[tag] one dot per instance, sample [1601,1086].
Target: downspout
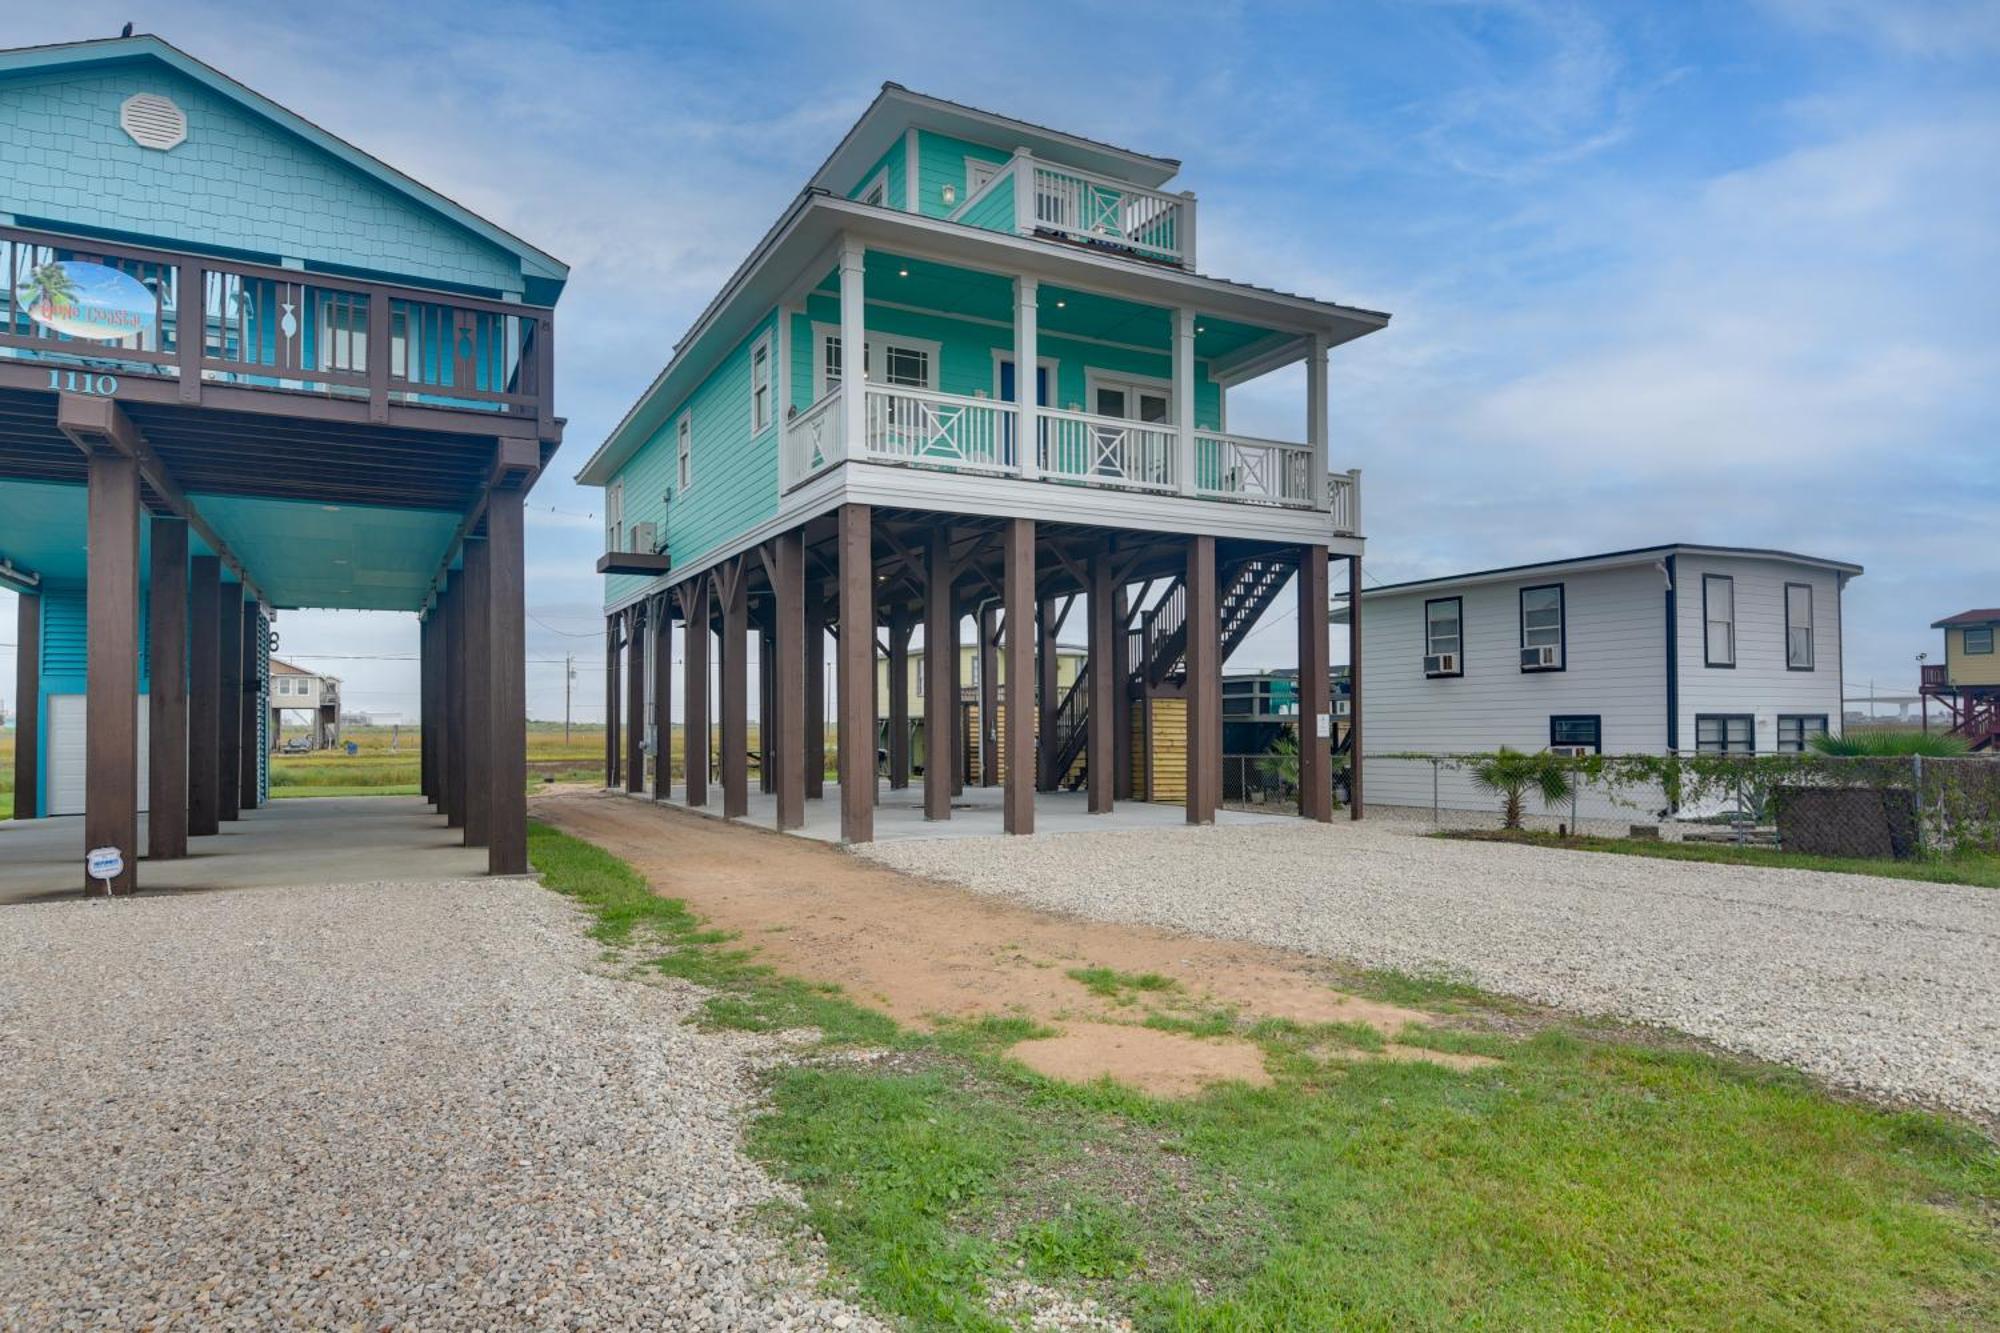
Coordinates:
[1666,567]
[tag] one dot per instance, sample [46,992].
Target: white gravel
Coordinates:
[1888,986]
[379,1106]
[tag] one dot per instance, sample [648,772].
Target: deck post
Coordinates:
[694,683]
[856,711]
[957,707]
[815,707]
[940,671]
[250,706]
[1204,684]
[27,705]
[787,725]
[204,696]
[1183,390]
[901,626]
[229,701]
[663,697]
[457,767]
[767,701]
[1018,588]
[735,689]
[167,701]
[989,695]
[1354,810]
[1027,360]
[426,707]
[1315,707]
[111,699]
[853,344]
[1099,747]
[477,595]
[635,698]
[507,688]
[1048,695]
[611,739]
[1121,695]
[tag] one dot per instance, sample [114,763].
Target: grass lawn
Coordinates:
[1977,868]
[1593,1177]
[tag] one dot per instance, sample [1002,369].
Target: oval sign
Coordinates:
[85,300]
[104,863]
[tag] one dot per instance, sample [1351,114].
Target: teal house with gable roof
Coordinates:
[247,367]
[973,380]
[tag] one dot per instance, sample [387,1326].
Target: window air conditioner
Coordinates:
[1546,656]
[1570,751]
[645,537]
[1441,664]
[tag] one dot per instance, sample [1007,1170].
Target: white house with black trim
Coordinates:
[1673,647]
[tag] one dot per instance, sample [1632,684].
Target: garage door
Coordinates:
[66,752]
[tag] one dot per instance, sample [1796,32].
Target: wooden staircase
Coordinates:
[1159,645]
[1978,721]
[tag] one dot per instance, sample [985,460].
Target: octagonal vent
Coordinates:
[153,121]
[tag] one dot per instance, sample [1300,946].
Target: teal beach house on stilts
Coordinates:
[972,381]
[246,367]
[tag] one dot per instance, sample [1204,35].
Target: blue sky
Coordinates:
[1710,272]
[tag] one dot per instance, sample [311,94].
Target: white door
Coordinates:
[66,753]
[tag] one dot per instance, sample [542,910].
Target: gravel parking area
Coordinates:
[377,1106]
[1889,986]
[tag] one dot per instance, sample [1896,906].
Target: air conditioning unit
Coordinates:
[1546,656]
[1570,751]
[645,538]
[1441,664]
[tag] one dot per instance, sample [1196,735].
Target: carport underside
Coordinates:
[151,538]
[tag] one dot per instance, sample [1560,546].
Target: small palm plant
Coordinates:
[1511,774]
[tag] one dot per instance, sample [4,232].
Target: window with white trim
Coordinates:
[907,366]
[1725,733]
[684,452]
[614,515]
[760,385]
[978,173]
[1718,617]
[1798,627]
[1130,399]
[1796,730]
[910,363]
[877,192]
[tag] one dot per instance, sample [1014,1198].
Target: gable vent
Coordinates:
[153,121]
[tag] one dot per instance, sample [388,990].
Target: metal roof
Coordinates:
[1988,615]
[1633,555]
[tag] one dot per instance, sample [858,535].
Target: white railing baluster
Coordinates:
[1087,207]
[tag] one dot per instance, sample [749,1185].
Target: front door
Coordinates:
[1009,421]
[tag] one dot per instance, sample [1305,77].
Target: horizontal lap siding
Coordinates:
[1759,683]
[996,211]
[941,162]
[894,162]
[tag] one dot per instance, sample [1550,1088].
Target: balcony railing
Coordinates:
[918,428]
[279,329]
[1086,209]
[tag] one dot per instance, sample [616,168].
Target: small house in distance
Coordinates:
[1715,649]
[1967,682]
[296,691]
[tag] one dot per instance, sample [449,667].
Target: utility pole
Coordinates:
[569,676]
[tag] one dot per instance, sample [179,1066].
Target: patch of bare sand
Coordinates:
[924,951]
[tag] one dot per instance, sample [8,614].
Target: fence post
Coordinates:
[1434,793]
[1736,823]
[1917,792]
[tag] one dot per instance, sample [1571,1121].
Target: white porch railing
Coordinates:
[1343,501]
[1237,467]
[1096,209]
[814,441]
[1108,451]
[939,430]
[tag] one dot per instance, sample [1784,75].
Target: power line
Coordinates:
[566,633]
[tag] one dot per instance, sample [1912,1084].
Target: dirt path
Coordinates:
[924,951]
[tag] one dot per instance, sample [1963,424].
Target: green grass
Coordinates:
[1109,984]
[1981,869]
[1589,1180]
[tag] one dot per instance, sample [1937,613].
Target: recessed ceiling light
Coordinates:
[331,509]
[902,273]
[1061,304]
[1201,328]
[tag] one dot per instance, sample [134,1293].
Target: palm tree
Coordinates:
[1509,774]
[46,282]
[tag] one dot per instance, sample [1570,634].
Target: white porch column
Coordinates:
[1024,192]
[1027,432]
[853,349]
[1184,394]
[1317,434]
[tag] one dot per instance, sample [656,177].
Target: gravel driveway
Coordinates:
[1890,986]
[411,1105]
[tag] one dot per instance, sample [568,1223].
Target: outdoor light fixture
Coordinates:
[951,194]
[902,273]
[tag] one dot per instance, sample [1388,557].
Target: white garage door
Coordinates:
[66,752]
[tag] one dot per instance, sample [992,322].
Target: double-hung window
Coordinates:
[1796,730]
[1444,637]
[684,452]
[1798,627]
[1718,617]
[1725,733]
[1977,642]
[614,516]
[907,366]
[760,385]
[910,363]
[1577,732]
[1542,628]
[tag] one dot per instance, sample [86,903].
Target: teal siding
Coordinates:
[735,485]
[239,182]
[996,211]
[896,163]
[941,162]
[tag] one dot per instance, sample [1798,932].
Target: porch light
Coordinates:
[1061,304]
[951,194]
[902,273]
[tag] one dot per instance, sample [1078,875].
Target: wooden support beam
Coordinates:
[635,698]
[27,705]
[1121,673]
[612,750]
[428,725]
[856,711]
[815,683]
[940,676]
[1315,708]
[1018,740]
[900,628]
[1105,688]
[476,594]
[989,695]
[662,621]
[959,748]
[250,704]
[1204,684]
[204,696]
[456,763]
[507,690]
[787,725]
[111,704]
[694,681]
[767,707]
[1354,809]
[167,699]
[732,594]
[229,701]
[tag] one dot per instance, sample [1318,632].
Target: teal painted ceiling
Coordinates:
[42,526]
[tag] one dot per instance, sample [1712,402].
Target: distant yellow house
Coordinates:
[1069,661]
[1967,682]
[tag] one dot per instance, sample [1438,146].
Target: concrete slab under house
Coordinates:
[244,368]
[1031,440]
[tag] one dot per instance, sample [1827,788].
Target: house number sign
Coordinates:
[82,381]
